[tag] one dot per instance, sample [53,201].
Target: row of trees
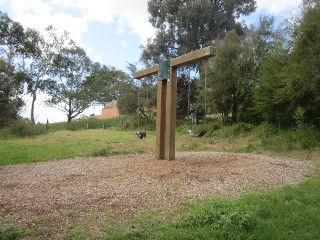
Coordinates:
[49,62]
[260,73]
[185,26]
[270,75]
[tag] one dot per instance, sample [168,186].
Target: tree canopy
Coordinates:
[188,25]
[70,68]
[52,63]
[11,78]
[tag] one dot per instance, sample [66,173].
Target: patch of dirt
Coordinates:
[52,195]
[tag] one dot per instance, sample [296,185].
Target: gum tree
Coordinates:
[11,78]
[71,66]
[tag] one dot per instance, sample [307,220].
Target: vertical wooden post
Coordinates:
[166,100]
[171,115]
[161,119]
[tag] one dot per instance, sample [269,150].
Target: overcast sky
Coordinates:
[111,31]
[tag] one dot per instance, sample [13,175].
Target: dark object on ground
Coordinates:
[202,133]
[141,135]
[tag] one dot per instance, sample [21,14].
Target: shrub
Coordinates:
[303,137]
[23,128]
[307,137]
[235,130]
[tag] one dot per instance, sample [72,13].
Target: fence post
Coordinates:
[47,125]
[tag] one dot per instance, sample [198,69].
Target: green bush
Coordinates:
[234,130]
[240,128]
[22,128]
[307,137]
[300,138]
[265,130]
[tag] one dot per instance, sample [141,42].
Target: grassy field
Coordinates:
[291,212]
[66,144]
[60,144]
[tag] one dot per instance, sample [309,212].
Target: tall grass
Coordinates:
[265,138]
[22,128]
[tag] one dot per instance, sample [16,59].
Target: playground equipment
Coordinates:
[166,98]
[141,134]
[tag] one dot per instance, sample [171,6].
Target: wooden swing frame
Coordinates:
[166,100]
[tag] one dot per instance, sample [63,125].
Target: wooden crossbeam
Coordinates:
[146,72]
[167,98]
[188,58]
[193,57]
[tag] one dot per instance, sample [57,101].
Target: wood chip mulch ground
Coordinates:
[52,195]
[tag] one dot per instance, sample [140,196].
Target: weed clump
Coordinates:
[23,128]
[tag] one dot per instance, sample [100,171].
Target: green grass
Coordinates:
[242,137]
[11,231]
[68,144]
[76,125]
[75,233]
[291,212]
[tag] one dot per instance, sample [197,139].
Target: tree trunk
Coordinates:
[34,98]
[234,110]
[69,112]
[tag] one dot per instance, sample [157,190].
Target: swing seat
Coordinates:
[202,133]
[141,135]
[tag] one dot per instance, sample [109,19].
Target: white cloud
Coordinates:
[74,16]
[121,27]
[131,13]
[42,16]
[277,6]
[32,6]
[124,43]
